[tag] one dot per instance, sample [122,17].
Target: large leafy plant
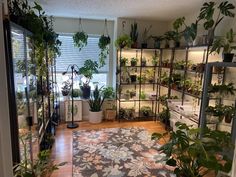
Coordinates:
[224,42]
[195,156]
[208,10]
[90,67]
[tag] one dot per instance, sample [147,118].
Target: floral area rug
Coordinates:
[117,152]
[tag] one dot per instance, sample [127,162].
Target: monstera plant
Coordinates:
[193,155]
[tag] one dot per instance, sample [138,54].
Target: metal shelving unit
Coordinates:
[138,86]
[206,98]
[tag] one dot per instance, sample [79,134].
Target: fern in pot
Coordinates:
[95,103]
[103,44]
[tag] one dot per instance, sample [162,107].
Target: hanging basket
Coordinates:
[80,38]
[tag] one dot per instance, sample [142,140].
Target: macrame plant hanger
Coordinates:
[105,30]
[80,25]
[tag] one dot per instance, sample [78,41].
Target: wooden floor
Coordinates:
[62,149]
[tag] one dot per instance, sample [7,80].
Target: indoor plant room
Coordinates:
[118,88]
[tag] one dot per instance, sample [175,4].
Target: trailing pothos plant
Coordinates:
[80,39]
[34,19]
[103,44]
[193,156]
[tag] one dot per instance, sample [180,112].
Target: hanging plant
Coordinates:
[103,44]
[80,38]
[34,19]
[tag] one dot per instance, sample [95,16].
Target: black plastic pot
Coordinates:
[133,63]
[144,45]
[133,78]
[86,90]
[177,44]
[228,57]
[145,113]
[143,63]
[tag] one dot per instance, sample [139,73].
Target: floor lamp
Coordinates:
[72,125]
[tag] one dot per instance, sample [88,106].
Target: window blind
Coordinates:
[71,54]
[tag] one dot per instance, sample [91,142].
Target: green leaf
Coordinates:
[171,162]
[226,8]
[156,136]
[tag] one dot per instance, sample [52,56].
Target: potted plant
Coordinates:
[96,101]
[132,94]
[80,39]
[229,112]
[145,37]
[142,78]
[150,75]
[104,42]
[222,89]
[90,67]
[110,113]
[65,90]
[195,156]
[177,24]
[211,19]
[154,60]
[225,43]
[133,78]
[164,116]
[215,114]
[134,35]
[123,41]
[143,61]
[76,93]
[123,61]
[142,95]
[145,111]
[157,41]
[134,61]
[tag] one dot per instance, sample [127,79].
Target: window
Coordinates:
[71,55]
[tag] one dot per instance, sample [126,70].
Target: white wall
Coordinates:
[5,137]
[158,28]
[90,26]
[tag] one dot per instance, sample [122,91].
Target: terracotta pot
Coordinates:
[228,119]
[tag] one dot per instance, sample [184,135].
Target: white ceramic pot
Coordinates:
[95,117]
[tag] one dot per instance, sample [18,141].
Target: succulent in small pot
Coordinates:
[225,43]
[145,111]
[134,61]
[142,95]
[80,39]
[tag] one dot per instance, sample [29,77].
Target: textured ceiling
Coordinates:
[139,9]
